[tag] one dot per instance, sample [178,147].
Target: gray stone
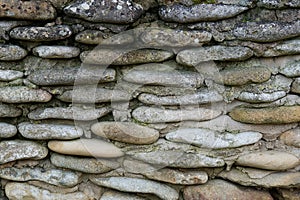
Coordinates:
[10,75]
[289,194]
[16,191]
[49,131]
[261,97]
[9,111]
[267,32]
[22,94]
[193,57]
[271,4]
[138,186]
[296,86]
[120,12]
[291,137]
[11,150]
[289,47]
[52,176]
[200,12]
[73,113]
[56,51]
[36,33]
[159,115]
[291,69]
[86,165]
[211,139]
[166,90]
[11,52]
[7,130]
[6,26]
[114,195]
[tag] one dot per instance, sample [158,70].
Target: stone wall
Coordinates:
[154,99]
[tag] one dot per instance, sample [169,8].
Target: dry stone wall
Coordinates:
[153,99]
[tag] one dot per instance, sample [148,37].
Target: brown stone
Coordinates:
[291,137]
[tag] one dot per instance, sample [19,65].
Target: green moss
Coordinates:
[204,1]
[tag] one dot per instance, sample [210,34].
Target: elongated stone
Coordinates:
[27,10]
[289,47]
[270,160]
[114,195]
[10,75]
[52,176]
[7,130]
[278,4]
[270,115]
[261,97]
[15,191]
[11,52]
[73,113]
[7,25]
[86,165]
[36,33]
[291,69]
[139,186]
[159,115]
[49,131]
[291,137]
[127,132]
[56,51]
[200,12]
[211,139]
[11,150]
[166,90]
[86,147]
[193,57]
[22,94]
[9,111]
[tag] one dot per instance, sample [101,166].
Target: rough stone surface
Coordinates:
[159,115]
[291,69]
[139,186]
[261,97]
[193,57]
[292,194]
[200,12]
[210,139]
[291,137]
[56,51]
[288,47]
[36,33]
[114,195]
[11,52]
[123,11]
[6,26]
[9,111]
[86,165]
[271,4]
[10,75]
[127,132]
[86,147]
[7,130]
[49,131]
[296,86]
[11,150]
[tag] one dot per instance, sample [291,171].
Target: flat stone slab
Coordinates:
[137,185]
[193,57]
[114,195]
[127,132]
[7,130]
[10,75]
[159,115]
[116,12]
[56,51]
[27,10]
[22,94]
[49,131]
[291,69]
[271,115]
[36,33]
[86,165]
[86,147]
[166,90]
[289,47]
[211,139]
[11,150]
[270,160]
[9,111]
[291,137]
[199,12]
[10,52]
[261,97]
[56,177]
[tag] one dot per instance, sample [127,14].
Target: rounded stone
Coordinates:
[7,130]
[56,51]
[291,137]
[10,75]
[11,52]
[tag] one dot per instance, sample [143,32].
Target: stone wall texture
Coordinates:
[149,99]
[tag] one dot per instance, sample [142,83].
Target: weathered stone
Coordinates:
[15,191]
[56,51]
[289,194]
[36,33]
[86,165]
[10,75]
[220,189]
[267,32]
[127,132]
[200,12]
[6,26]
[114,195]
[53,176]
[296,86]
[261,97]
[53,188]
[291,137]
[21,94]
[73,113]
[49,131]
[27,10]
[271,115]
[11,52]
[9,111]
[11,150]
[271,4]
[291,69]
[86,147]
[138,186]
[289,47]
[166,90]
[120,12]
[211,139]
[124,57]
[7,130]
[270,160]
[193,57]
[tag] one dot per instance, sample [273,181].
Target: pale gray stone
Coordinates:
[10,75]
[261,97]
[291,69]
[49,131]
[296,86]
[11,150]
[114,195]
[7,130]
[165,90]
[56,51]
[9,111]
[138,186]
[289,47]
[10,52]
[275,4]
